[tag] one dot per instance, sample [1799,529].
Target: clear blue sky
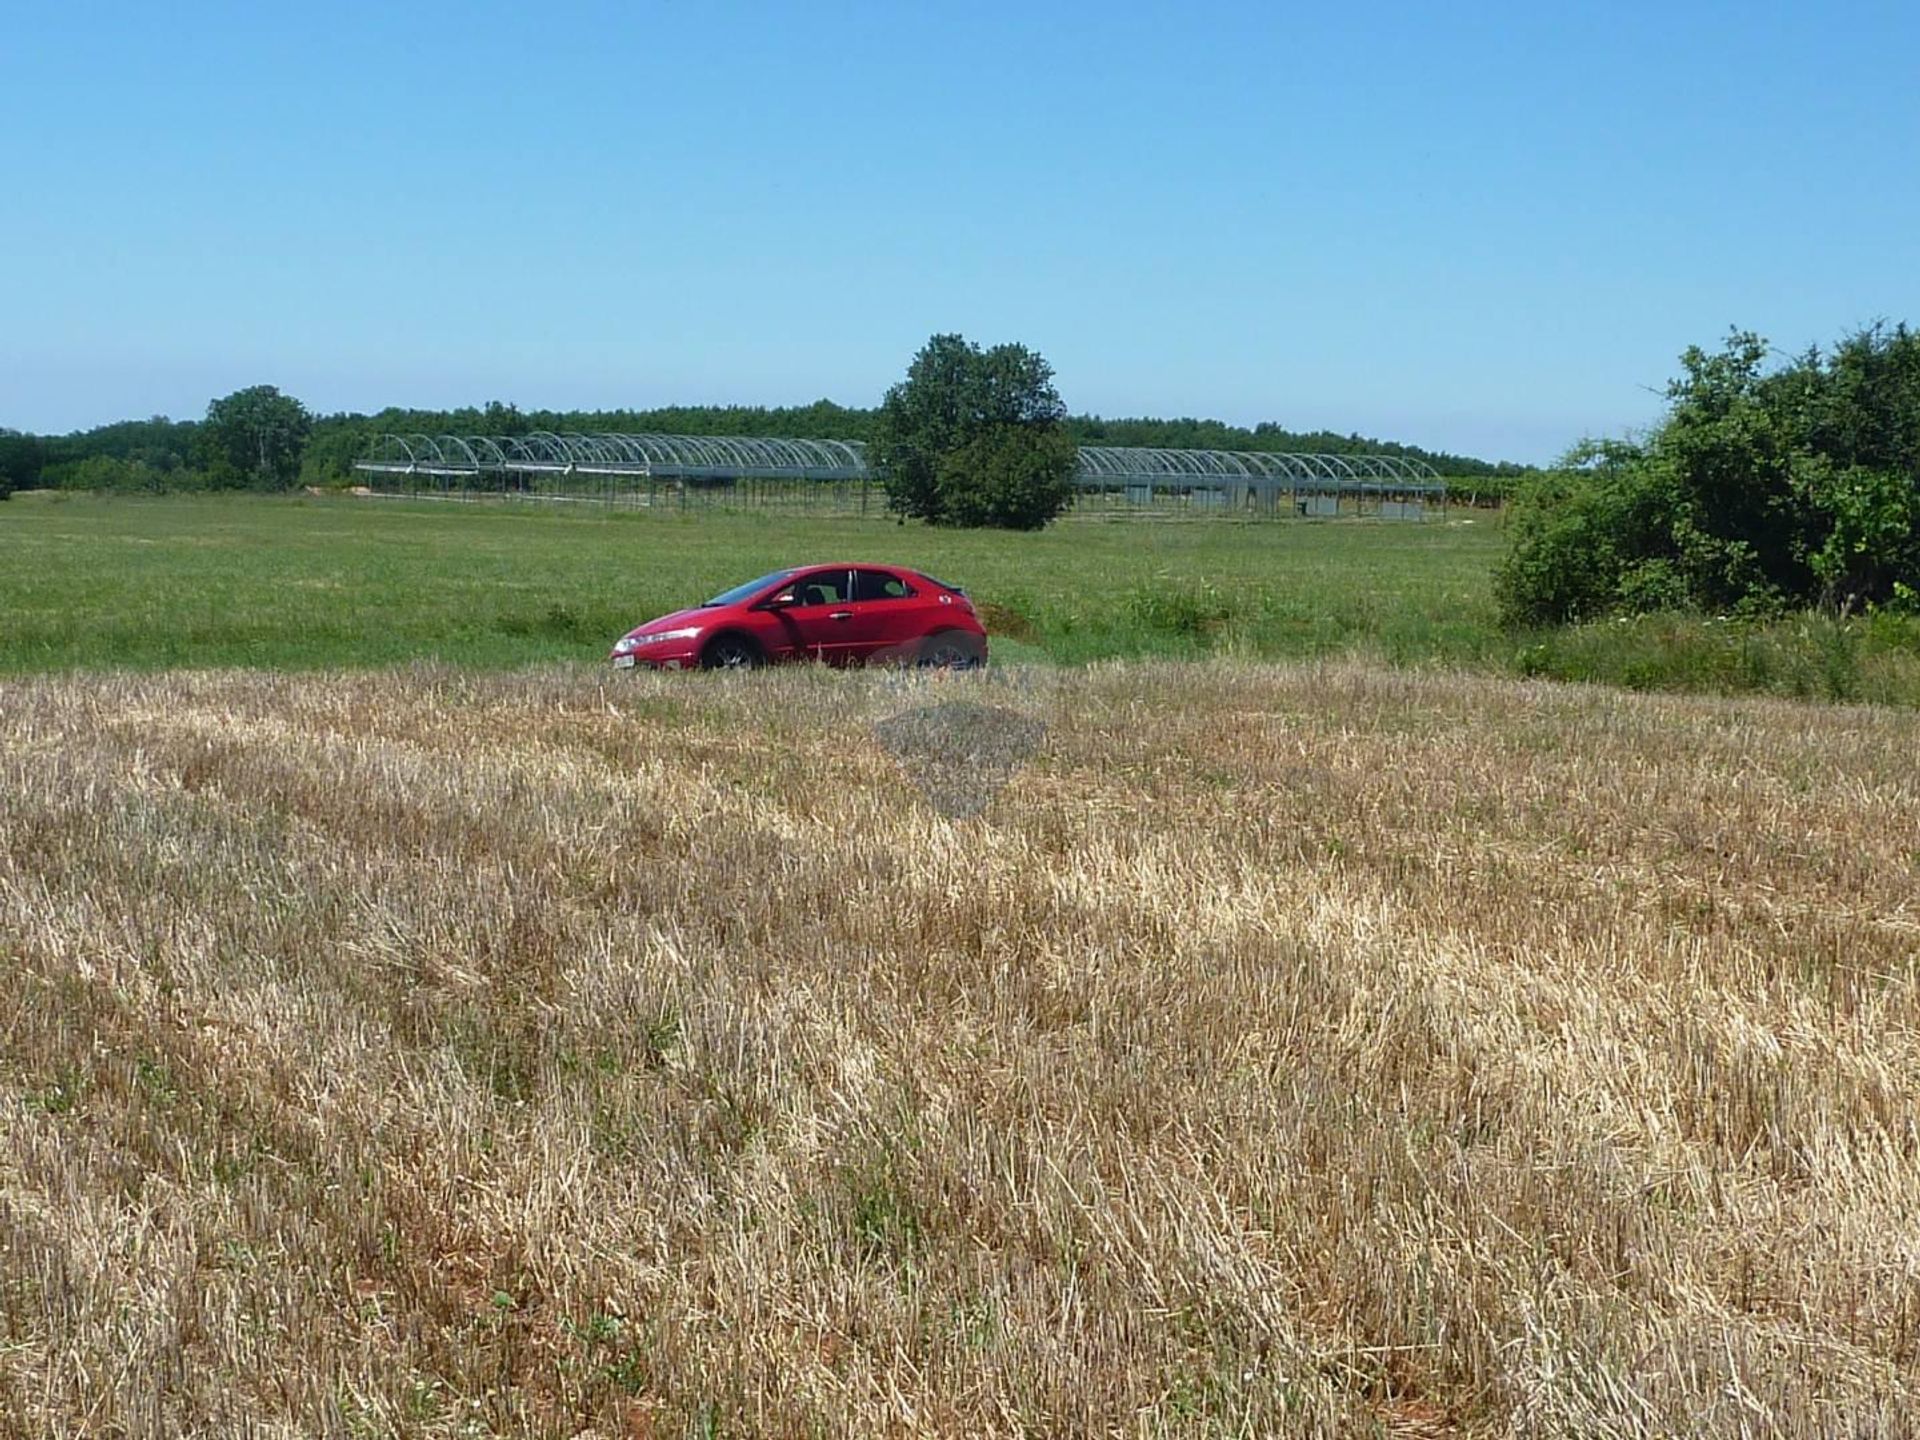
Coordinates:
[1488,228]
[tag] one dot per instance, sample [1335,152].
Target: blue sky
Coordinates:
[1486,228]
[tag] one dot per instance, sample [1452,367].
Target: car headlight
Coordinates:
[631,643]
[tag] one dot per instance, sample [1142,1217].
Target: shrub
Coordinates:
[110,473]
[1759,489]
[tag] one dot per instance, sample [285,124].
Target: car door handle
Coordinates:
[840,615]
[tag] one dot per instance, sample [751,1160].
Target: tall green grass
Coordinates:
[1868,659]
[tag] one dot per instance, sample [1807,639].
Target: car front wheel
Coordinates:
[731,652]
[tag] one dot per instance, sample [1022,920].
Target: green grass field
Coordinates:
[314,583]
[311,583]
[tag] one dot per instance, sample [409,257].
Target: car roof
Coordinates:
[864,565]
[857,565]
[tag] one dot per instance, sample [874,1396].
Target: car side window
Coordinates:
[823,587]
[879,585]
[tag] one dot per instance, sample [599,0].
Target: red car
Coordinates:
[843,614]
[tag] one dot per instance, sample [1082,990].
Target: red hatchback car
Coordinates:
[843,614]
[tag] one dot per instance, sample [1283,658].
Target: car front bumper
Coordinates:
[642,661]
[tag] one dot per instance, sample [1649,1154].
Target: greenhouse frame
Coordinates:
[654,469]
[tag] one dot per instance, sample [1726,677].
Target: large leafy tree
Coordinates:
[975,437]
[255,437]
[1762,488]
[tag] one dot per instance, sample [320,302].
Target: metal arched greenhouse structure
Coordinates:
[683,470]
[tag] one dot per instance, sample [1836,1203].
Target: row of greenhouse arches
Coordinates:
[642,468]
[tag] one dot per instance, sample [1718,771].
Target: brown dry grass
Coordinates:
[1284,1051]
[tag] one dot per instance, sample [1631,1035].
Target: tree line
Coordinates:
[160,455]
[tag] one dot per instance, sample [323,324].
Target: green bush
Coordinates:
[1759,491]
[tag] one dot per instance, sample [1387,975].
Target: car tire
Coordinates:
[951,650]
[731,652]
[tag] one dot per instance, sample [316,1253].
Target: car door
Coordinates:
[888,615]
[814,614]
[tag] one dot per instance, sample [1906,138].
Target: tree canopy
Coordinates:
[975,437]
[255,437]
[1762,487]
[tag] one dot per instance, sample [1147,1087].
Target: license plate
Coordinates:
[623,662]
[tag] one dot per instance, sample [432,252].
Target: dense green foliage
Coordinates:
[255,438]
[1762,489]
[1008,477]
[148,455]
[20,461]
[975,437]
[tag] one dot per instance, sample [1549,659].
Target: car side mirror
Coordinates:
[780,601]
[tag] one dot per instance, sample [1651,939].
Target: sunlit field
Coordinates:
[313,583]
[1320,1050]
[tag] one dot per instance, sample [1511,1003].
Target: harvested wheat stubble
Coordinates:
[1281,1050]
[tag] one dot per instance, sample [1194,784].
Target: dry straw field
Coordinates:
[1313,1050]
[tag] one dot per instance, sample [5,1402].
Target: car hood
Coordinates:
[678,620]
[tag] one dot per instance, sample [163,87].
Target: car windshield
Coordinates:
[742,592]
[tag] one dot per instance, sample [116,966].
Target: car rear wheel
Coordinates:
[731,652]
[951,650]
